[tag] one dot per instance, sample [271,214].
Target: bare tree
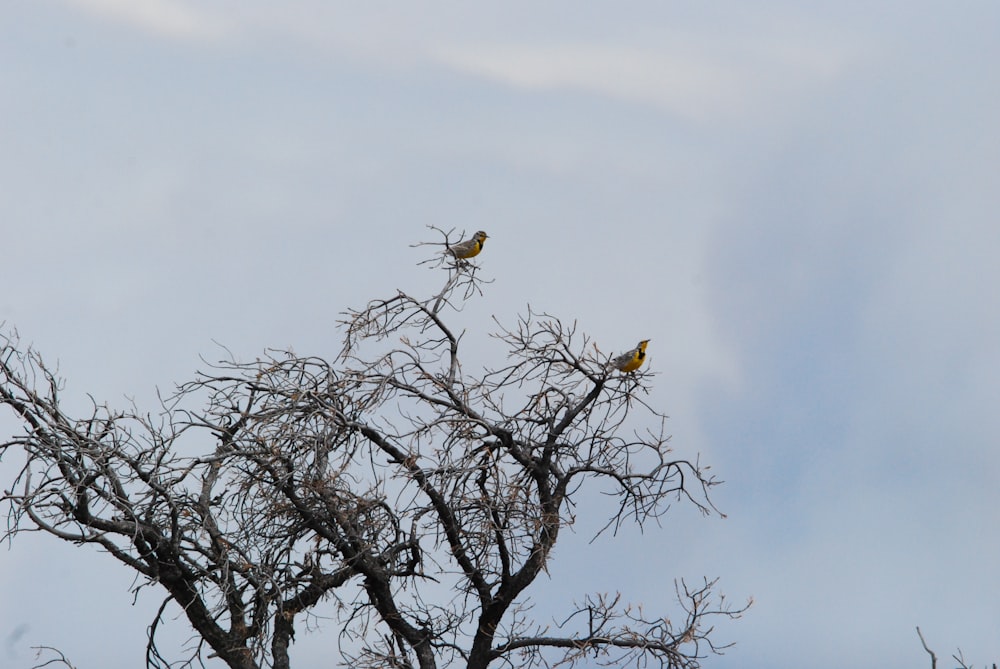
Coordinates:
[423,500]
[958,657]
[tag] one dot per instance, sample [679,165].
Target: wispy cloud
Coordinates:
[164,18]
[693,82]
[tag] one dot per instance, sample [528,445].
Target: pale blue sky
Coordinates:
[796,203]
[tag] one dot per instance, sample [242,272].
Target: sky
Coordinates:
[796,202]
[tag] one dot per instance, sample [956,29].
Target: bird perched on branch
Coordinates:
[632,360]
[470,247]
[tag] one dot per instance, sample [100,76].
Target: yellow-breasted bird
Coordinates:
[470,247]
[632,360]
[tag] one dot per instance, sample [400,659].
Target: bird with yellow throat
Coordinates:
[631,360]
[469,248]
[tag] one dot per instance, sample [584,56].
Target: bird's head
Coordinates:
[481,236]
[643,344]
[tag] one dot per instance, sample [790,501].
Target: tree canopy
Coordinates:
[424,498]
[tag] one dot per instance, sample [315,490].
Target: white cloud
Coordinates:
[164,18]
[689,88]
[694,81]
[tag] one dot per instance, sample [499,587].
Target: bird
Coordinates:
[632,360]
[470,247]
